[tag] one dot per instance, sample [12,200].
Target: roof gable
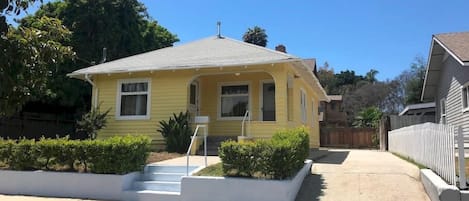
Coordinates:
[455,45]
[208,52]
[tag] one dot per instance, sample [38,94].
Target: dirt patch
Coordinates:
[161,156]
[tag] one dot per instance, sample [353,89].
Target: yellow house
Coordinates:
[236,84]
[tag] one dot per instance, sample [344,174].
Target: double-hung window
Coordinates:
[465,97]
[133,99]
[303,105]
[234,100]
[443,111]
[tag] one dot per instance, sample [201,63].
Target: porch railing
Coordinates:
[247,116]
[194,136]
[432,145]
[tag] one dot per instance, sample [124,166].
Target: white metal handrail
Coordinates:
[246,114]
[192,142]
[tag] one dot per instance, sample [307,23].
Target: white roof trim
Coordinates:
[209,52]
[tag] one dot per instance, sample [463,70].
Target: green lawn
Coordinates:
[215,170]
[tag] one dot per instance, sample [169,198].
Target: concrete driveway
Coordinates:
[361,175]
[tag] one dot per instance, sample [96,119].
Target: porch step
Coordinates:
[158,182]
[166,176]
[148,195]
[168,169]
[213,142]
[168,186]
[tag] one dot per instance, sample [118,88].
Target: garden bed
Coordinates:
[205,188]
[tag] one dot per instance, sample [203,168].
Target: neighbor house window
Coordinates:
[303,105]
[133,99]
[465,97]
[234,100]
[443,111]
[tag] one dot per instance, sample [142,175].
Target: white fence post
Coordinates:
[461,159]
[429,144]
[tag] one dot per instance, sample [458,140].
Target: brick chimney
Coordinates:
[281,48]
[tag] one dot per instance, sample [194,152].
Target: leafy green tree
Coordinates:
[29,55]
[371,76]
[414,86]
[256,36]
[368,118]
[8,7]
[123,27]
[327,79]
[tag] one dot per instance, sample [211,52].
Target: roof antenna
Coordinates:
[104,55]
[219,29]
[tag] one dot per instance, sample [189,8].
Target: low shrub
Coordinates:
[116,155]
[278,158]
[176,132]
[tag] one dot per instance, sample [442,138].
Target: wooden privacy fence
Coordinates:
[348,137]
[429,144]
[397,122]
[33,126]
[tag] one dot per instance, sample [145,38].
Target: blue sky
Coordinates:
[358,35]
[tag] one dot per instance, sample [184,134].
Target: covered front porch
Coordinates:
[238,103]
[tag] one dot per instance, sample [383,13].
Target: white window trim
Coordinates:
[261,98]
[222,84]
[303,111]
[119,96]
[198,99]
[443,115]
[465,86]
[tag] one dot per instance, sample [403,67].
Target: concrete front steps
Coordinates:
[158,182]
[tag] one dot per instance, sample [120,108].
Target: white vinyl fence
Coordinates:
[429,144]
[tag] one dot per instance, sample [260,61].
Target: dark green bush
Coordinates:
[278,158]
[119,155]
[116,155]
[177,132]
[23,155]
[6,147]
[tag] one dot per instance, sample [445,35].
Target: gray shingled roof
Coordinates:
[457,43]
[208,52]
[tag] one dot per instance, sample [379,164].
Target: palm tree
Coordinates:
[256,36]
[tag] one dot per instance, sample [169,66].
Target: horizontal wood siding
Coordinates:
[453,76]
[210,100]
[169,94]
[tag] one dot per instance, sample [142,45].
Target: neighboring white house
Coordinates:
[447,78]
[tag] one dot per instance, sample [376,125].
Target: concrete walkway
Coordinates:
[361,175]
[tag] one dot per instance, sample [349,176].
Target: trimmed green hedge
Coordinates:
[278,158]
[116,155]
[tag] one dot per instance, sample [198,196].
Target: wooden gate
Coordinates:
[349,137]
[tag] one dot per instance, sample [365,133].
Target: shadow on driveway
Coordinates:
[327,156]
[313,185]
[312,188]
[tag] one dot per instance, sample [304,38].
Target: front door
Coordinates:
[268,101]
[194,99]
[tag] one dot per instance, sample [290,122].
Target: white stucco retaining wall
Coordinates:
[234,189]
[65,184]
[437,189]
